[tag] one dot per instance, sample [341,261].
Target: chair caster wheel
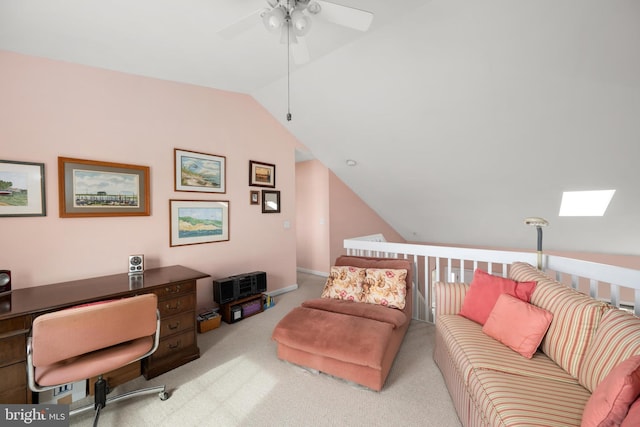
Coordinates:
[164,395]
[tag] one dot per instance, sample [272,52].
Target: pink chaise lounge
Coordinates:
[356,341]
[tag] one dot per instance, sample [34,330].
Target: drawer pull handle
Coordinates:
[173,290]
[176,307]
[175,325]
[174,346]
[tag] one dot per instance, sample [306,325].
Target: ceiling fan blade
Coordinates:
[346,16]
[241,25]
[300,52]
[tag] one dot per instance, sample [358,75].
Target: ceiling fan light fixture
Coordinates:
[300,22]
[314,8]
[274,19]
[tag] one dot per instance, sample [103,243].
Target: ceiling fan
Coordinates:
[292,20]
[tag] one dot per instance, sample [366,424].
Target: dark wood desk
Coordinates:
[175,287]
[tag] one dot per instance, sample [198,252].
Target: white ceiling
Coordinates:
[464,116]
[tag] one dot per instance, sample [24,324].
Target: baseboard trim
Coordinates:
[314,272]
[281,291]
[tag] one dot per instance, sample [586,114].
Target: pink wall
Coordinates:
[350,217]
[50,109]
[327,213]
[312,216]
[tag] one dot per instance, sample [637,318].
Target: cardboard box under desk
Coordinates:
[118,376]
[209,324]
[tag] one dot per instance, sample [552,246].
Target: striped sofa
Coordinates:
[492,385]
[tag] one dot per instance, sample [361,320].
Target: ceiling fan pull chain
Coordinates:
[288,70]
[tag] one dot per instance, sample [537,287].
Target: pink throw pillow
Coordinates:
[633,416]
[612,398]
[517,324]
[484,291]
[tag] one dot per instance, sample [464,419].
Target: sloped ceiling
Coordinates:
[464,116]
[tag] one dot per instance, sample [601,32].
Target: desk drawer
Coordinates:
[9,326]
[13,349]
[175,289]
[14,383]
[178,323]
[177,305]
[173,345]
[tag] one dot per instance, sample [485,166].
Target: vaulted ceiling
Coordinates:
[464,116]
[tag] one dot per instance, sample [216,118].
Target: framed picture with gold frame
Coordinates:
[90,188]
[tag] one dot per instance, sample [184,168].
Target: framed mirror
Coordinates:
[270,201]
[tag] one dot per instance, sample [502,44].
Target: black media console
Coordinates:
[240,296]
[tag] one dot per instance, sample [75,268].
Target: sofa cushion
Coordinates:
[517,324]
[471,349]
[339,336]
[610,402]
[617,339]
[484,291]
[507,399]
[344,282]
[575,317]
[385,286]
[370,311]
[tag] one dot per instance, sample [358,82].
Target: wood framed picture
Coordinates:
[199,172]
[89,188]
[22,189]
[198,221]
[254,197]
[262,174]
[270,201]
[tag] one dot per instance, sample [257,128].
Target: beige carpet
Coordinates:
[239,381]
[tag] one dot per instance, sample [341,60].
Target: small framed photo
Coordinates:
[270,201]
[89,188]
[198,221]
[22,189]
[262,174]
[199,172]
[254,197]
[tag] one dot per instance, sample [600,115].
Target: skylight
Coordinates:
[585,203]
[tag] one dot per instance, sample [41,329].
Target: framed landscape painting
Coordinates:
[262,174]
[199,172]
[198,221]
[22,189]
[89,188]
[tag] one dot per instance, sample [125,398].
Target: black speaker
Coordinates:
[261,281]
[5,281]
[224,290]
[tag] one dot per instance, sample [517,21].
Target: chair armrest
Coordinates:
[449,297]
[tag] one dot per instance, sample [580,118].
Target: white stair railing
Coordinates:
[444,263]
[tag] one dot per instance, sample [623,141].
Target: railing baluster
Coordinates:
[593,288]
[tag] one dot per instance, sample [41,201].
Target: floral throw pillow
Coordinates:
[344,283]
[386,287]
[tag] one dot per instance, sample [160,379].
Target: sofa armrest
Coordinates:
[449,297]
